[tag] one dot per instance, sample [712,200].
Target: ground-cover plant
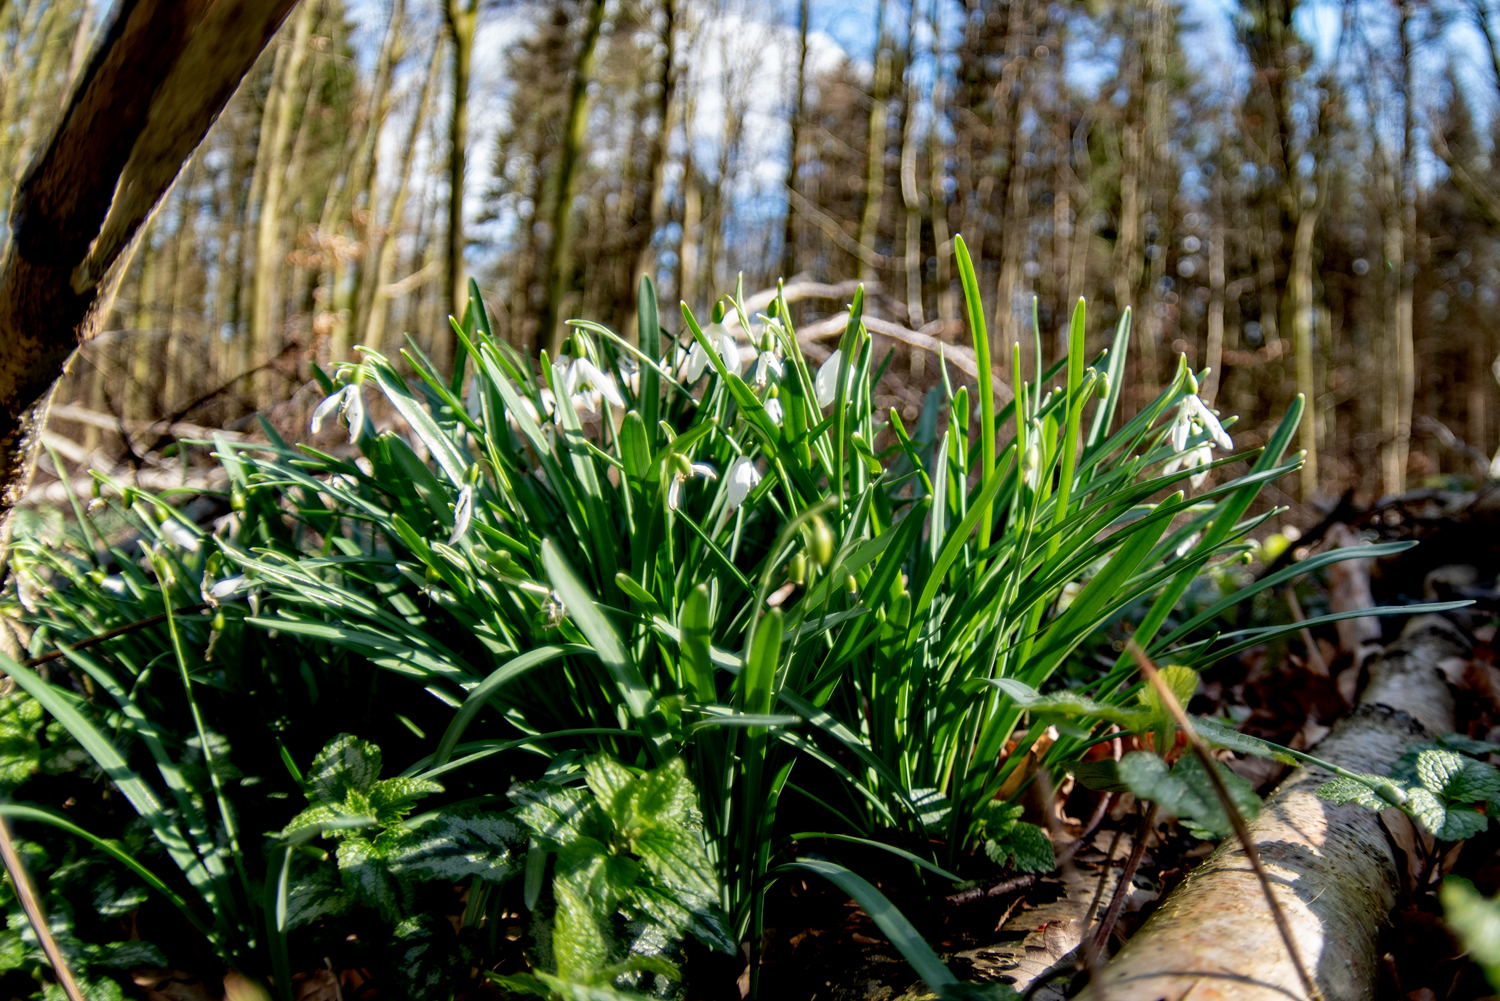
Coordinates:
[735,573]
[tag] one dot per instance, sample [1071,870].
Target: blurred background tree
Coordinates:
[1301,195]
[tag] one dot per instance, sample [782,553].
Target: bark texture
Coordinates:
[1334,872]
[155,83]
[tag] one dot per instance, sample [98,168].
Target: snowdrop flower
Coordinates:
[767,364]
[742,478]
[179,535]
[226,588]
[774,411]
[114,584]
[630,369]
[697,360]
[1202,455]
[26,592]
[584,373]
[346,401]
[825,383]
[1194,416]
[685,470]
[463,513]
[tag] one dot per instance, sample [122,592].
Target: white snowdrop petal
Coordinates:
[704,471]
[674,492]
[114,584]
[774,411]
[742,478]
[463,513]
[327,408]
[179,535]
[473,403]
[227,587]
[354,413]
[825,383]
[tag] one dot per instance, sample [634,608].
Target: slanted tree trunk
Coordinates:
[560,253]
[789,235]
[1331,867]
[160,75]
[462,21]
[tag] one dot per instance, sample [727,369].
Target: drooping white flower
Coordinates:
[463,513]
[691,364]
[218,591]
[742,478]
[724,344]
[630,370]
[826,382]
[767,364]
[1203,416]
[584,373]
[114,584]
[179,535]
[702,470]
[26,592]
[774,411]
[347,402]
[1200,455]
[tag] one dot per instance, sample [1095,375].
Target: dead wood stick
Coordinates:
[26,893]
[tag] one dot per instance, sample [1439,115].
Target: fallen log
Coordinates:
[1333,868]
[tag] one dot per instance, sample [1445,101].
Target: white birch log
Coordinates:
[1333,868]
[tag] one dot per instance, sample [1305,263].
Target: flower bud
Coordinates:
[1101,388]
[1192,381]
[774,308]
[217,625]
[851,586]
[796,569]
[822,541]
[717,313]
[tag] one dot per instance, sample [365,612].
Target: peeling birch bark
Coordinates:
[1333,867]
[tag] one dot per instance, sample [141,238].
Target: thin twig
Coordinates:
[1241,829]
[26,893]
[1127,878]
[1314,655]
[111,634]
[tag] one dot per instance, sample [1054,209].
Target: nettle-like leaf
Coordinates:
[1435,782]
[1349,790]
[126,955]
[1025,847]
[20,745]
[1186,791]
[315,891]
[428,957]
[1182,681]
[345,763]
[452,848]
[391,800]
[1444,820]
[366,874]
[556,815]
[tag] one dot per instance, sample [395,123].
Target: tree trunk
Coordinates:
[869,221]
[789,234]
[384,237]
[160,75]
[911,201]
[560,253]
[462,21]
[281,109]
[1331,867]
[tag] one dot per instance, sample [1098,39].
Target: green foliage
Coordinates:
[378,855]
[753,576]
[1475,922]
[1010,841]
[1437,783]
[1185,791]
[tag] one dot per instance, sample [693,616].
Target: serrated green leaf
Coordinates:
[1478,782]
[453,848]
[392,799]
[1438,769]
[1346,790]
[1444,822]
[1186,790]
[345,763]
[1025,847]
[427,957]
[127,955]
[366,876]
[1467,745]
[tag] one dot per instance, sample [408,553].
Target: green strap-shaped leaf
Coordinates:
[601,635]
[487,688]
